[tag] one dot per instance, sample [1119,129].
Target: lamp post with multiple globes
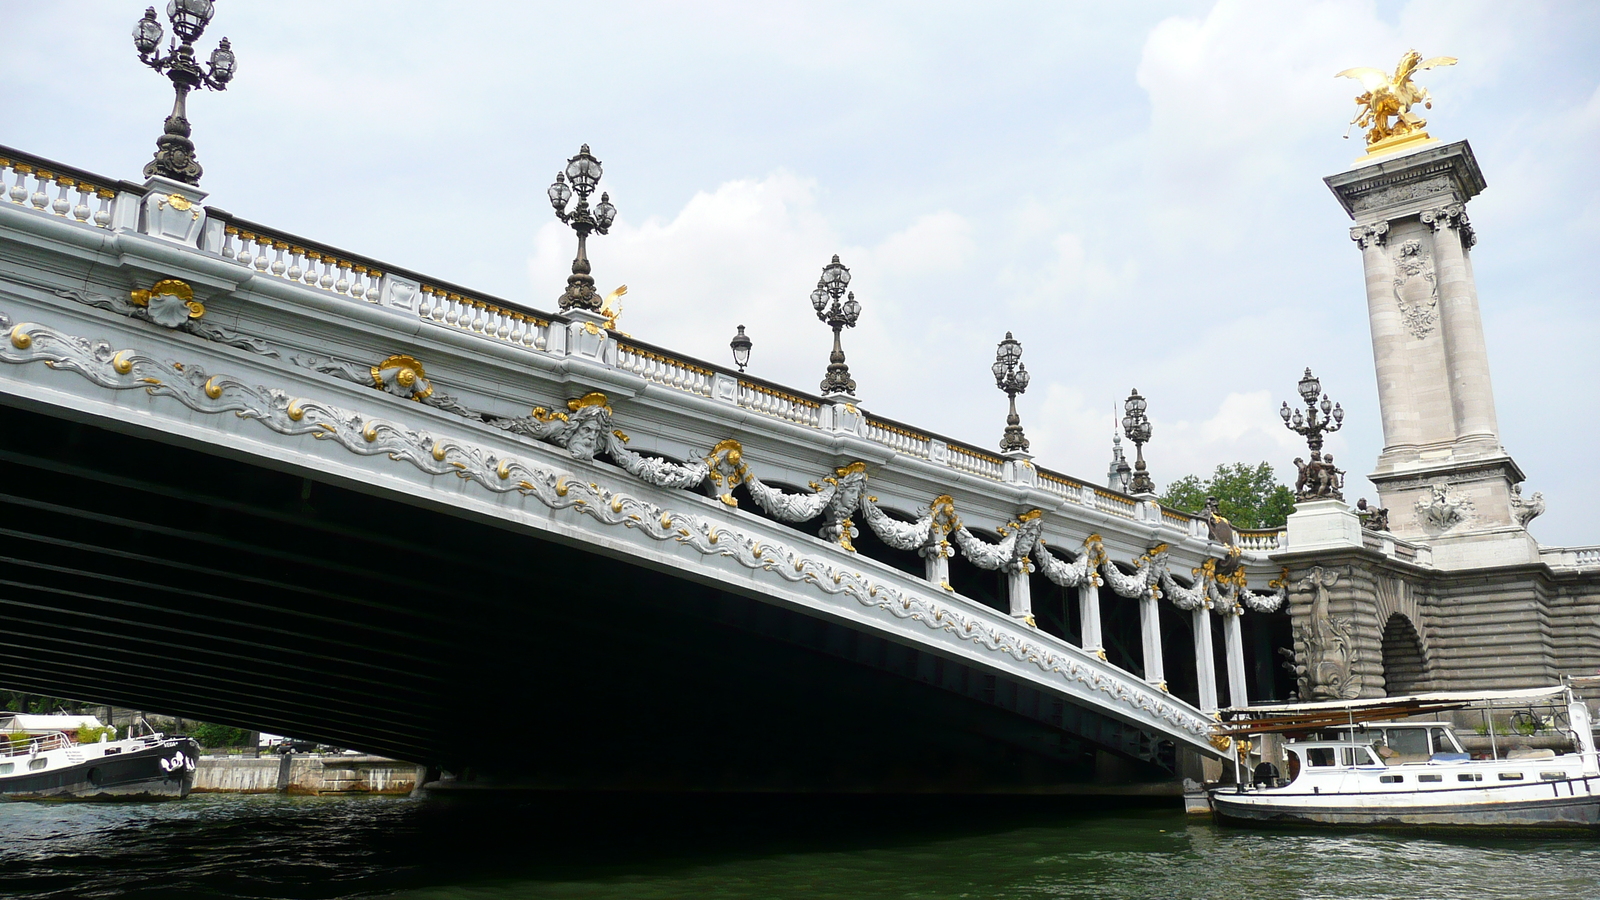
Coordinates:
[581,175]
[174,157]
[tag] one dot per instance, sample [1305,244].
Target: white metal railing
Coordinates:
[1262,540]
[34,743]
[467,314]
[976,462]
[900,439]
[74,199]
[779,405]
[665,370]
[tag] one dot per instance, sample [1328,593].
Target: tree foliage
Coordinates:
[209,735]
[1247,496]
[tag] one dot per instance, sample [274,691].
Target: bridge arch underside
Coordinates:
[144,574]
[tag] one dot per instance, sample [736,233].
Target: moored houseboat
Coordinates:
[42,759]
[1353,764]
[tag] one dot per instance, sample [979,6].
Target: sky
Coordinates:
[1133,190]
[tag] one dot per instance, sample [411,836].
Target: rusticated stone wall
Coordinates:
[1488,629]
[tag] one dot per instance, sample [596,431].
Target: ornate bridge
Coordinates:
[260,480]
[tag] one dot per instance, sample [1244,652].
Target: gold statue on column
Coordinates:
[1391,97]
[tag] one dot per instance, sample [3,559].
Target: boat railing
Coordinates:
[22,743]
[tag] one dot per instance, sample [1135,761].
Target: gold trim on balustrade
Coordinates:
[657,357]
[513,315]
[893,429]
[773,392]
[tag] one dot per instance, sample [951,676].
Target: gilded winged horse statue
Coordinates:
[1391,97]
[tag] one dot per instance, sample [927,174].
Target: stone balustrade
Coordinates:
[770,401]
[665,370]
[1263,540]
[63,191]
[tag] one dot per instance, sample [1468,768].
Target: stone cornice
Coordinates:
[1400,186]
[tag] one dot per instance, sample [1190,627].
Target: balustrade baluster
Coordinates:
[296,270]
[374,285]
[358,283]
[342,284]
[278,265]
[62,205]
[245,240]
[453,315]
[39,198]
[102,216]
[81,211]
[19,189]
[263,244]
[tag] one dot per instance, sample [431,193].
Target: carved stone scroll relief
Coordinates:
[1416,289]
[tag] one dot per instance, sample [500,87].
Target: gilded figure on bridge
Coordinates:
[1391,97]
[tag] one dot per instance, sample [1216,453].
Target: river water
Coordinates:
[581,847]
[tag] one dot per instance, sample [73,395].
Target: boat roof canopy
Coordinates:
[18,722]
[1433,700]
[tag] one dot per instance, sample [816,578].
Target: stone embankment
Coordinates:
[306,774]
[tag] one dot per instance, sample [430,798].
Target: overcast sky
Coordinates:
[1134,190]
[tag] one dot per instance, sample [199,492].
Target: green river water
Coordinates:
[741,847]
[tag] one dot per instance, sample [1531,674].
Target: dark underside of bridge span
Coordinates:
[139,573]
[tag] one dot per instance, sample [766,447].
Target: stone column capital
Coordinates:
[1451,215]
[1374,235]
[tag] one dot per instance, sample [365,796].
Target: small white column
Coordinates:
[1021,598]
[1150,631]
[936,563]
[1233,646]
[1205,658]
[1089,613]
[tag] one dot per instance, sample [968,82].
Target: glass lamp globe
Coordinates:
[583,171]
[223,63]
[147,33]
[189,17]
[604,212]
[1310,387]
[560,192]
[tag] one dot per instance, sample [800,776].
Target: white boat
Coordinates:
[41,759]
[1351,764]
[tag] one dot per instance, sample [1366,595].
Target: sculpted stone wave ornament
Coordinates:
[282,413]
[1329,645]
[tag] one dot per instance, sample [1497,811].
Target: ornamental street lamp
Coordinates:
[835,278]
[174,156]
[1137,427]
[741,349]
[583,172]
[1318,478]
[1012,377]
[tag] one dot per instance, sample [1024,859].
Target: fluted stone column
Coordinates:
[1205,657]
[1466,354]
[1396,404]
[1089,613]
[1155,671]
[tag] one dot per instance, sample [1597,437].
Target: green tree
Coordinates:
[1247,496]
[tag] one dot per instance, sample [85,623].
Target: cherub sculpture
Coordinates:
[1391,97]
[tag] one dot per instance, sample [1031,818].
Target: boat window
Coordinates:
[38,763]
[1408,741]
[1553,776]
[1391,779]
[1357,756]
[1443,741]
[1430,777]
[1470,776]
[1319,756]
[5,768]
[1510,776]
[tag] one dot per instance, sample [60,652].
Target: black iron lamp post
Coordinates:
[835,278]
[582,174]
[1318,478]
[1137,427]
[741,349]
[174,151]
[1012,377]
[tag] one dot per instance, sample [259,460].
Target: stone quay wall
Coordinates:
[306,775]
